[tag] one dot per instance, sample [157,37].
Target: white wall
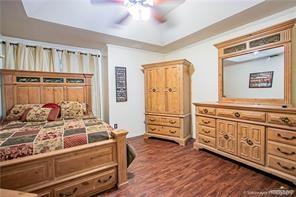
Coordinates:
[236,78]
[204,57]
[129,115]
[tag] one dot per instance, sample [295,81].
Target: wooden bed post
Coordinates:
[120,137]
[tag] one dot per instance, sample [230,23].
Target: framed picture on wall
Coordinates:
[261,80]
[121,84]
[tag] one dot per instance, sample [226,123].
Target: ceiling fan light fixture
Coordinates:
[139,9]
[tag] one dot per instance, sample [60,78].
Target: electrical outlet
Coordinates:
[115,126]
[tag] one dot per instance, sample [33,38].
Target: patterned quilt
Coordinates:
[21,139]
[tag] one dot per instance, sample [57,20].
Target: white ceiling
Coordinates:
[183,19]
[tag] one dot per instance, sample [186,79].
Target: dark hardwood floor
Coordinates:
[164,168]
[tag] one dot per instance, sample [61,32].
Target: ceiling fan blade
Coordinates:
[123,19]
[158,17]
[106,1]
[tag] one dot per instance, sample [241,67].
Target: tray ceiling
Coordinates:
[183,18]
[79,23]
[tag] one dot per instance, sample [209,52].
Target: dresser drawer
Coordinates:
[88,185]
[162,130]
[282,150]
[206,110]
[282,119]
[283,165]
[283,136]
[163,120]
[240,114]
[209,141]
[208,131]
[210,122]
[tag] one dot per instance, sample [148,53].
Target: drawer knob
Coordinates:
[173,132]
[285,167]
[236,114]
[205,111]
[153,90]
[152,120]
[170,89]
[206,122]
[286,120]
[206,131]
[226,136]
[205,141]
[249,142]
[105,180]
[291,153]
[152,129]
[286,138]
[85,183]
[172,122]
[69,194]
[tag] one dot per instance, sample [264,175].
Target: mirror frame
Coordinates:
[276,36]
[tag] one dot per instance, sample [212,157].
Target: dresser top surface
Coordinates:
[267,108]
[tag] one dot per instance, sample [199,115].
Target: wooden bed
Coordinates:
[78,171]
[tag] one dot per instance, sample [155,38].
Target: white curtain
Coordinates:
[10,56]
[85,63]
[95,70]
[22,57]
[37,58]
[71,62]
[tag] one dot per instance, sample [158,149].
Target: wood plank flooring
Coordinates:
[164,168]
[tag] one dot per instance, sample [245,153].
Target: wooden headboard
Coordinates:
[33,87]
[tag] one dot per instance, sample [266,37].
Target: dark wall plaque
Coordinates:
[121,84]
[261,80]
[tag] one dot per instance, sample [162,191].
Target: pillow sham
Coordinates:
[71,109]
[24,115]
[38,114]
[17,111]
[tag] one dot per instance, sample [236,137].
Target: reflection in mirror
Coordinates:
[258,75]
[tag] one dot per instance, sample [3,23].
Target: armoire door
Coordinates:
[172,89]
[251,144]
[227,136]
[155,84]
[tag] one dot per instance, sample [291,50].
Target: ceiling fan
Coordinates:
[140,9]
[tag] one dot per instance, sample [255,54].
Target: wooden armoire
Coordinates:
[168,100]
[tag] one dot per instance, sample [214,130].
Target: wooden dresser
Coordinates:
[168,100]
[260,136]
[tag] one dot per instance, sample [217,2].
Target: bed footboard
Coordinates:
[82,170]
[120,137]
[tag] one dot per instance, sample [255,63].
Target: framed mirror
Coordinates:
[256,77]
[257,68]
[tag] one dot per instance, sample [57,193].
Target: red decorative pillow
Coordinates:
[51,105]
[54,113]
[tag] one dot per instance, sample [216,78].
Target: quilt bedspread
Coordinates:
[21,139]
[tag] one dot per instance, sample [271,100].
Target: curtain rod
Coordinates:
[94,55]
